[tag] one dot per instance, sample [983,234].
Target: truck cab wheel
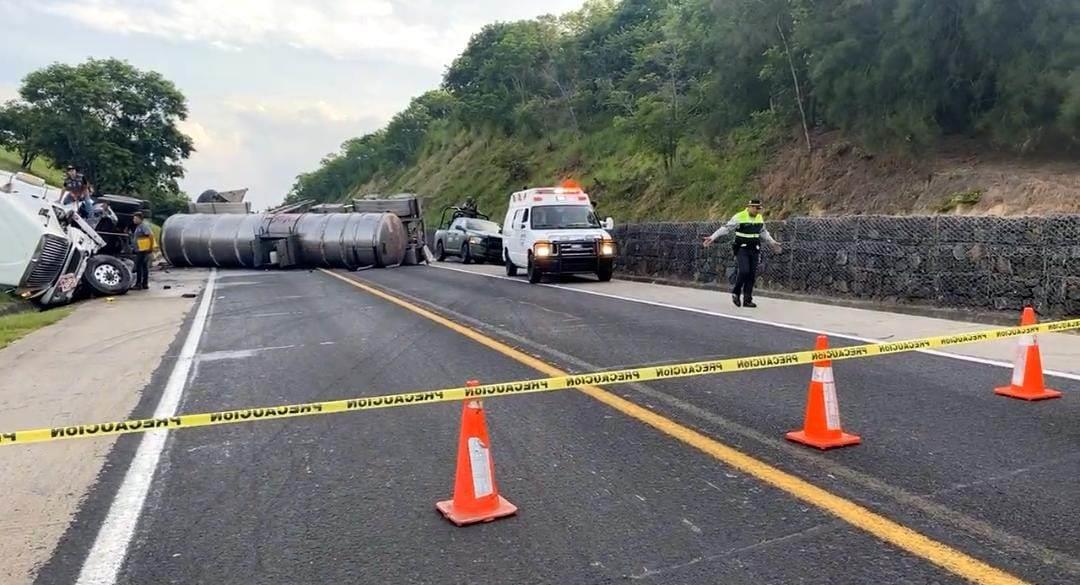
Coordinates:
[440,251]
[107,275]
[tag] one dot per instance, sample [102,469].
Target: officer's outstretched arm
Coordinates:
[724,230]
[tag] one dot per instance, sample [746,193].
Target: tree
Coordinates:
[19,131]
[116,123]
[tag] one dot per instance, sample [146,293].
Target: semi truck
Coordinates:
[49,254]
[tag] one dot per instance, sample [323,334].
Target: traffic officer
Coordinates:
[749,228]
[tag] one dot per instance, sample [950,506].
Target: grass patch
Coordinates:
[961,199]
[9,161]
[13,327]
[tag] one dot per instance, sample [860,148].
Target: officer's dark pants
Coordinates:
[746,259]
[142,270]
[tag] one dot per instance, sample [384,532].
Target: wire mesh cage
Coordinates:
[988,263]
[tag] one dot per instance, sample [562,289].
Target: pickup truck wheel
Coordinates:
[440,251]
[604,272]
[535,274]
[107,275]
[466,254]
[511,268]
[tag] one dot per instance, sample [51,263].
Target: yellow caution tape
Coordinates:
[610,377]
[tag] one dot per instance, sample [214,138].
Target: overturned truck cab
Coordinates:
[48,253]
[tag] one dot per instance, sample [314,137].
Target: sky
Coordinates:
[273,86]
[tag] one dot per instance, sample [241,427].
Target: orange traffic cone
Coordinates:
[476,496]
[821,428]
[1027,378]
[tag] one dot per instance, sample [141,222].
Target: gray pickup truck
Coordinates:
[470,238]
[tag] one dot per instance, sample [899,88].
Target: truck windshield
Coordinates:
[479,225]
[561,217]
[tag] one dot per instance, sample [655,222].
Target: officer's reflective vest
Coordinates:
[748,232]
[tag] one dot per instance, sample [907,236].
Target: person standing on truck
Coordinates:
[749,228]
[73,182]
[142,242]
[78,196]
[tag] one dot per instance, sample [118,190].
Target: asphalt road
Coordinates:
[603,498]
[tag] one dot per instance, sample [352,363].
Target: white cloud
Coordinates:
[340,28]
[262,143]
[296,110]
[8,92]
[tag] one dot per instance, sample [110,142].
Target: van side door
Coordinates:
[521,237]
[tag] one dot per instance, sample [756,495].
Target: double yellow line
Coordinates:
[883,528]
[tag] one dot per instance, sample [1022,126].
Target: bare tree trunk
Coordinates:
[566,99]
[673,142]
[798,89]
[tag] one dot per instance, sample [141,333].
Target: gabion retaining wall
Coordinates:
[984,263]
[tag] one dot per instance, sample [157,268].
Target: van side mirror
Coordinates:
[609,224]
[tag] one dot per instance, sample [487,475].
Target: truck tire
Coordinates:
[535,274]
[107,275]
[466,253]
[131,268]
[511,268]
[604,272]
[440,251]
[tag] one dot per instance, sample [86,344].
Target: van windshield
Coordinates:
[561,217]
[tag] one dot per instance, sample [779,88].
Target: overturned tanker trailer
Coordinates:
[285,240]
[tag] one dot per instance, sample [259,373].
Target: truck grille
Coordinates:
[46,267]
[581,249]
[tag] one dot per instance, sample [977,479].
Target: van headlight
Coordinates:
[542,250]
[607,248]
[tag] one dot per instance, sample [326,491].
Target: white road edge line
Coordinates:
[102,564]
[955,356]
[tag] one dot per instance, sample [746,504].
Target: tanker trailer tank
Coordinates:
[333,240]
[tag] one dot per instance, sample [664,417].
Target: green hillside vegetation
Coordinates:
[12,162]
[671,109]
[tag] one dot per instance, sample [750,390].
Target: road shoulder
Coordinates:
[93,365]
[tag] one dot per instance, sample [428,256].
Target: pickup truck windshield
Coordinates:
[562,217]
[479,225]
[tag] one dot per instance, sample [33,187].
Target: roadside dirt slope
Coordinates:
[963,177]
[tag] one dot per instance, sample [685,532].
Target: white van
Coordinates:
[554,230]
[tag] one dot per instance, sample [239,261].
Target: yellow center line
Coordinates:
[883,528]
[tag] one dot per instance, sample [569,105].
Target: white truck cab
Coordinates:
[47,250]
[554,230]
